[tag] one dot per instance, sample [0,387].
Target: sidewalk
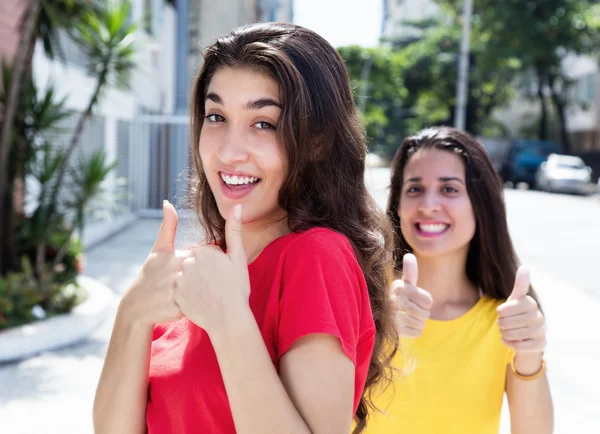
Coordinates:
[53,392]
[573,354]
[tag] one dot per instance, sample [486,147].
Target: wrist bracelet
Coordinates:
[538,374]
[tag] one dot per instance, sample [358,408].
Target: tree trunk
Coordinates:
[8,256]
[77,133]
[23,147]
[61,171]
[8,260]
[560,106]
[543,127]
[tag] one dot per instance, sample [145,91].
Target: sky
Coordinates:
[342,22]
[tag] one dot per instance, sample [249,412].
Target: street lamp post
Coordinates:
[364,82]
[463,67]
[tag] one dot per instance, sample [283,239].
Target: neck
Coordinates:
[257,235]
[445,278]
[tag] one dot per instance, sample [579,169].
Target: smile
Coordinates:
[238,179]
[237,186]
[431,229]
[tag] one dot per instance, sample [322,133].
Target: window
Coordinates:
[152,12]
[585,89]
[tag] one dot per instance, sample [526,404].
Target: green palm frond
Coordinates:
[48,111]
[47,163]
[57,15]
[89,174]
[108,40]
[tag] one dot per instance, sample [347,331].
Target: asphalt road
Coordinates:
[557,235]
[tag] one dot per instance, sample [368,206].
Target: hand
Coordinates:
[413,303]
[150,299]
[214,287]
[520,320]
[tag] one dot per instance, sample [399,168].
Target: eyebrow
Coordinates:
[251,105]
[442,179]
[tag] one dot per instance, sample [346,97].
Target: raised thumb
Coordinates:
[165,241]
[410,269]
[233,236]
[522,282]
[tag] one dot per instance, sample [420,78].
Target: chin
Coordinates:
[439,251]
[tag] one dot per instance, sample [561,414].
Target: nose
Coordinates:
[429,203]
[233,149]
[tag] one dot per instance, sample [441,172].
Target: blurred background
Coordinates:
[94,135]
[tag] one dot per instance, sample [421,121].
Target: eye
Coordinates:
[449,189]
[214,118]
[414,189]
[264,126]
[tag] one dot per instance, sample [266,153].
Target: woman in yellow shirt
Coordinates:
[472,326]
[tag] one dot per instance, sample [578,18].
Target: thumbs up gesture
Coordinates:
[150,299]
[213,286]
[413,303]
[520,320]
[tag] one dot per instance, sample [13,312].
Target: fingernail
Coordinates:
[237,212]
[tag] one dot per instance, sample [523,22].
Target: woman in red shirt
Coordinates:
[287,325]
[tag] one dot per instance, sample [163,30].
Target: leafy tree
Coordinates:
[377,80]
[540,34]
[42,20]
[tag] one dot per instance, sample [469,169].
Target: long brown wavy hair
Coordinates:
[491,261]
[325,152]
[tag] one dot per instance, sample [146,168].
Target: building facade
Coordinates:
[397,14]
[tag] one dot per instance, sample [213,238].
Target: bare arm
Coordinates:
[121,396]
[122,392]
[530,402]
[313,394]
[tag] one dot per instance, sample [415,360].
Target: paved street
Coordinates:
[557,235]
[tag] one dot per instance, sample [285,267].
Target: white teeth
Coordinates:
[238,180]
[433,228]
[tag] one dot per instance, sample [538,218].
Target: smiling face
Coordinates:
[241,158]
[435,211]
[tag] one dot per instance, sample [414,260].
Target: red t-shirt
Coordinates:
[301,283]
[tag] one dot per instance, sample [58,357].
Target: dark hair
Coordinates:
[325,151]
[491,261]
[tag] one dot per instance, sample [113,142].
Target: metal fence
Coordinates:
[159,161]
[153,161]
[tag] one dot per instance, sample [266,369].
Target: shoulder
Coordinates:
[320,255]
[320,242]
[490,304]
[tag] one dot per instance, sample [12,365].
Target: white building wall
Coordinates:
[585,114]
[152,82]
[400,11]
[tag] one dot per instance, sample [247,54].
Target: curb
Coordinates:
[97,232]
[56,332]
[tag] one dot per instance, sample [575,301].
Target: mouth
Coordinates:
[237,186]
[236,182]
[430,230]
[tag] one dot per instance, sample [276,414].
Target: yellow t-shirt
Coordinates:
[458,380]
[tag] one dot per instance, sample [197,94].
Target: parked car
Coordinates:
[564,173]
[524,159]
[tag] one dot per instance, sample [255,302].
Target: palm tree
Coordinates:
[42,19]
[107,38]
[108,41]
[36,113]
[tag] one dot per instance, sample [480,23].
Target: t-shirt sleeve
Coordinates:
[322,291]
[159,330]
[509,356]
